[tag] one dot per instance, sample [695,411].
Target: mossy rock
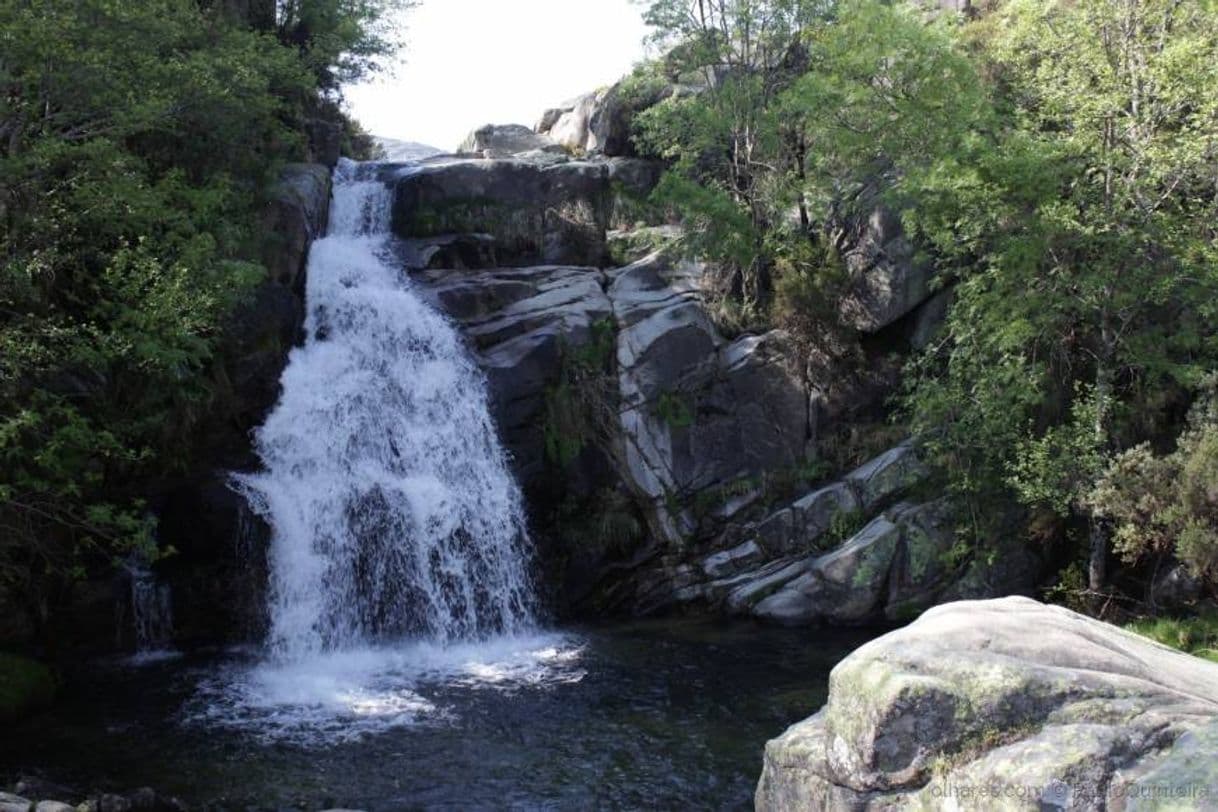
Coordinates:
[26,686]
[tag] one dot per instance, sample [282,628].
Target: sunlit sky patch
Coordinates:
[472,62]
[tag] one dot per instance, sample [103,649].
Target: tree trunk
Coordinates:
[1098,533]
[1098,560]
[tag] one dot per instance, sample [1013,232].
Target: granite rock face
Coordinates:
[537,213]
[505,140]
[1003,704]
[610,379]
[888,279]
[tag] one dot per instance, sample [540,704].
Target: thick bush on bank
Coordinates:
[137,140]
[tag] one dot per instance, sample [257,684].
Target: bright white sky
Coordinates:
[472,62]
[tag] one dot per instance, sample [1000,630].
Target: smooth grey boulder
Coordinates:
[891,472]
[1001,704]
[896,565]
[887,278]
[14,803]
[799,526]
[53,806]
[731,561]
[568,125]
[844,585]
[535,214]
[847,552]
[601,123]
[504,141]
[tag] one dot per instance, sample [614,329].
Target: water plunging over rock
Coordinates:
[393,511]
[151,609]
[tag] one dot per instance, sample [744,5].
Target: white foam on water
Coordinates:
[343,696]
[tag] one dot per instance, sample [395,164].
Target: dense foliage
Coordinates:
[136,139]
[1058,161]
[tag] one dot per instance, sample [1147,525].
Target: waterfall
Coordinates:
[393,512]
[151,603]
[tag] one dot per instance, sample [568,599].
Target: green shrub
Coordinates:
[26,686]
[1194,635]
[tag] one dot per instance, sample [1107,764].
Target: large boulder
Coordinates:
[568,125]
[504,141]
[1003,704]
[536,213]
[855,551]
[888,279]
[602,122]
[895,566]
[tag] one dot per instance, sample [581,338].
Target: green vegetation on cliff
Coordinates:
[1056,163]
[137,139]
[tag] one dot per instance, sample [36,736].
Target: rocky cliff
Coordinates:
[667,462]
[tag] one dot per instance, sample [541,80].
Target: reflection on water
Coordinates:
[646,715]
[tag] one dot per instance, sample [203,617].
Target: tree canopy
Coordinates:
[1056,161]
[137,139]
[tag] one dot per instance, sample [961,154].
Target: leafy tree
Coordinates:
[1167,505]
[135,141]
[724,138]
[341,41]
[1088,236]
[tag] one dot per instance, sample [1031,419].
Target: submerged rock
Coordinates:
[1002,704]
[14,803]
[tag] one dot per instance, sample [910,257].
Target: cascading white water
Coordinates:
[399,561]
[151,609]
[393,511]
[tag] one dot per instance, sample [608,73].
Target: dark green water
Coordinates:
[650,715]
